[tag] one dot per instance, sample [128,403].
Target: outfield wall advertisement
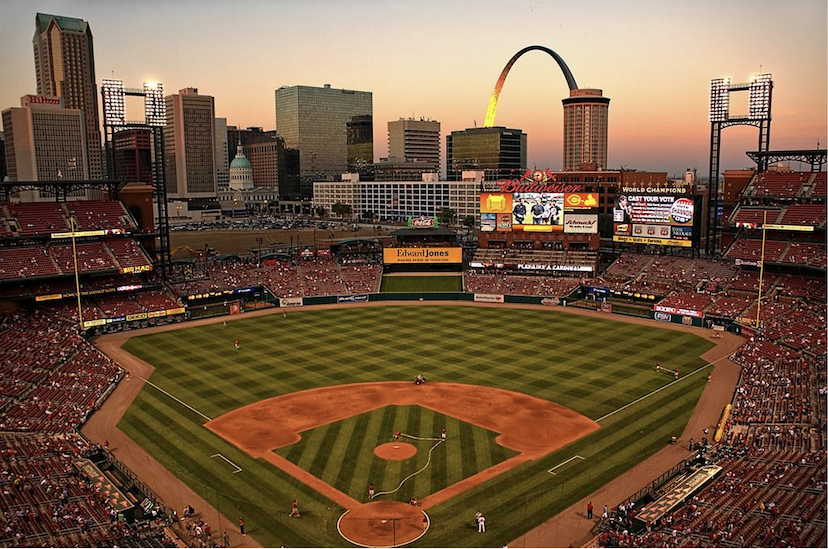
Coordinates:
[546,212]
[488,298]
[665,220]
[422,255]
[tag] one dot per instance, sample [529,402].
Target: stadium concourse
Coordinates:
[58,488]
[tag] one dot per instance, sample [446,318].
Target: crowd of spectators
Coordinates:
[285,278]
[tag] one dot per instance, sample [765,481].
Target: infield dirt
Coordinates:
[568,527]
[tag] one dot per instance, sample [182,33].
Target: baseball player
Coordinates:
[371,491]
[294,510]
[443,434]
[237,344]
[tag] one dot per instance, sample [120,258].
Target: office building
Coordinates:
[221,154]
[497,151]
[133,155]
[44,141]
[415,140]
[314,120]
[3,171]
[585,130]
[399,200]
[65,68]
[360,140]
[189,145]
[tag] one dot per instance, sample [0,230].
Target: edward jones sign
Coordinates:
[422,255]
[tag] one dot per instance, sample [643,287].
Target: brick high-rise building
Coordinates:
[65,68]
[133,155]
[189,155]
[44,141]
[585,130]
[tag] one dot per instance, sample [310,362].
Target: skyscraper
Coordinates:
[65,68]
[414,140]
[499,152]
[133,155]
[221,147]
[189,155]
[314,120]
[45,141]
[585,130]
[360,131]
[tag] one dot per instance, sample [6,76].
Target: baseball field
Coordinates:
[301,410]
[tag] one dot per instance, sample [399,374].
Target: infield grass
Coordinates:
[422,284]
[347,462]
[592,365]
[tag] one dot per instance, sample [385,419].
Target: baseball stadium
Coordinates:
[598,358]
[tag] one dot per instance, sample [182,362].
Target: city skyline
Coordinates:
[653,60]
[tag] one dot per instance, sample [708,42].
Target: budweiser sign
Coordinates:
[536,181]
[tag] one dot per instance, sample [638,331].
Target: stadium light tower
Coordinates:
[758,115]
[113,94]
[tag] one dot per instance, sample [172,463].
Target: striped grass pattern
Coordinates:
[342,453]
[593,366]
[422,284]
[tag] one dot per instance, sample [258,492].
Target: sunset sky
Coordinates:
[653,58]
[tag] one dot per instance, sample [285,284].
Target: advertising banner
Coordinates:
[606,307]
[547,267]
[422,222]
[422,255]
[677,311]
[488,298]
[663,317]
[290,302]
[137,316]
[647,240]
[662,219]
[581,223]
[351,298]
[580,201]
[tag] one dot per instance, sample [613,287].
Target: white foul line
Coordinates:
[564,463]
[662,388]
[239,469]
[148,382]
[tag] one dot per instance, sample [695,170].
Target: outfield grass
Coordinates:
[591,365]
[347,462]
[422,284]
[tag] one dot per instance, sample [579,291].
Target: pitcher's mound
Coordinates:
[395,450]
[383,524]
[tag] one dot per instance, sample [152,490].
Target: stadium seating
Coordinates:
[729,306]
[805,254]
[22,262]
[779,183]
[804,214]
[100,214]
[92,256]
[128,252]
[36,218]
[751,249]
[755,216]
[687,300]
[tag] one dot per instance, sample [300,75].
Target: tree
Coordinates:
[341,209]
[446,215]
[468,222]
[367,215]
[320,211]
